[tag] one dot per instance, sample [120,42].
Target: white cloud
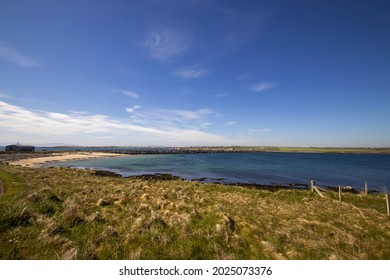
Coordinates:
[180,119]
[131,94]
[192,114]
[132,109]
[14,56]
[80,112]
[22,120]
[18,123]
[262,86]
[165,44]
[57,115]
[191,74]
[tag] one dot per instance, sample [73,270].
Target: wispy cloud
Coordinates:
[191,74]
[262,130]
[80,112]
[178,118]
[130,94]
[262,86]
[192,115]
[165,44]
[5,96]
[238,28]
[14,56]
[19,119]
[230,123]
[132,109]
[219,95]
[54,126]
[245,76]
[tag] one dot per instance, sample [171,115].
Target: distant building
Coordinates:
[20,148]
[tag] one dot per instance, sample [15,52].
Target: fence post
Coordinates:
[365,188]
[388,204]
[340,195]
[312,183]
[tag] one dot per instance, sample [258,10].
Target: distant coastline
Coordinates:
[213,149]
[44,155]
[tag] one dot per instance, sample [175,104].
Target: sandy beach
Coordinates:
[60,157]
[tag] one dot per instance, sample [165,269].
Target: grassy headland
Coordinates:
[61,213]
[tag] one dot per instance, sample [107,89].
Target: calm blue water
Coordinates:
[262,168]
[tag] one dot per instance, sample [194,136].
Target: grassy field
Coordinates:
[59,213]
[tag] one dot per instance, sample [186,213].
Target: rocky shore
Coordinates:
[35,159]
[220,181]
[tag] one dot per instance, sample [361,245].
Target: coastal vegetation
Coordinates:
[62,213]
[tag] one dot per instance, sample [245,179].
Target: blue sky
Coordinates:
[206,72]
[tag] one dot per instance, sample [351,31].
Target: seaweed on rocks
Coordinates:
[105,173]
[157,177]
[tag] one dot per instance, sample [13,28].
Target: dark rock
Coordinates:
[105,173]
[200,179]
[219,179]
[231,224]
[157,177]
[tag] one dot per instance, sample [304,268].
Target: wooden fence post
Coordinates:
[315,188]
[365,188]
[312,183]
[340,195]
[388,204]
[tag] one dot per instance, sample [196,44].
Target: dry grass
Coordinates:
[60,213]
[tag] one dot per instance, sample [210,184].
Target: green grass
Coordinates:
[60,213]
[12,184]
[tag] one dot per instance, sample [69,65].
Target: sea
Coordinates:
[272,168]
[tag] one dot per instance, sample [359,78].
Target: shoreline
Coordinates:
[269,187]
[38,159]
[37,162]
[213,149]
[61,157]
